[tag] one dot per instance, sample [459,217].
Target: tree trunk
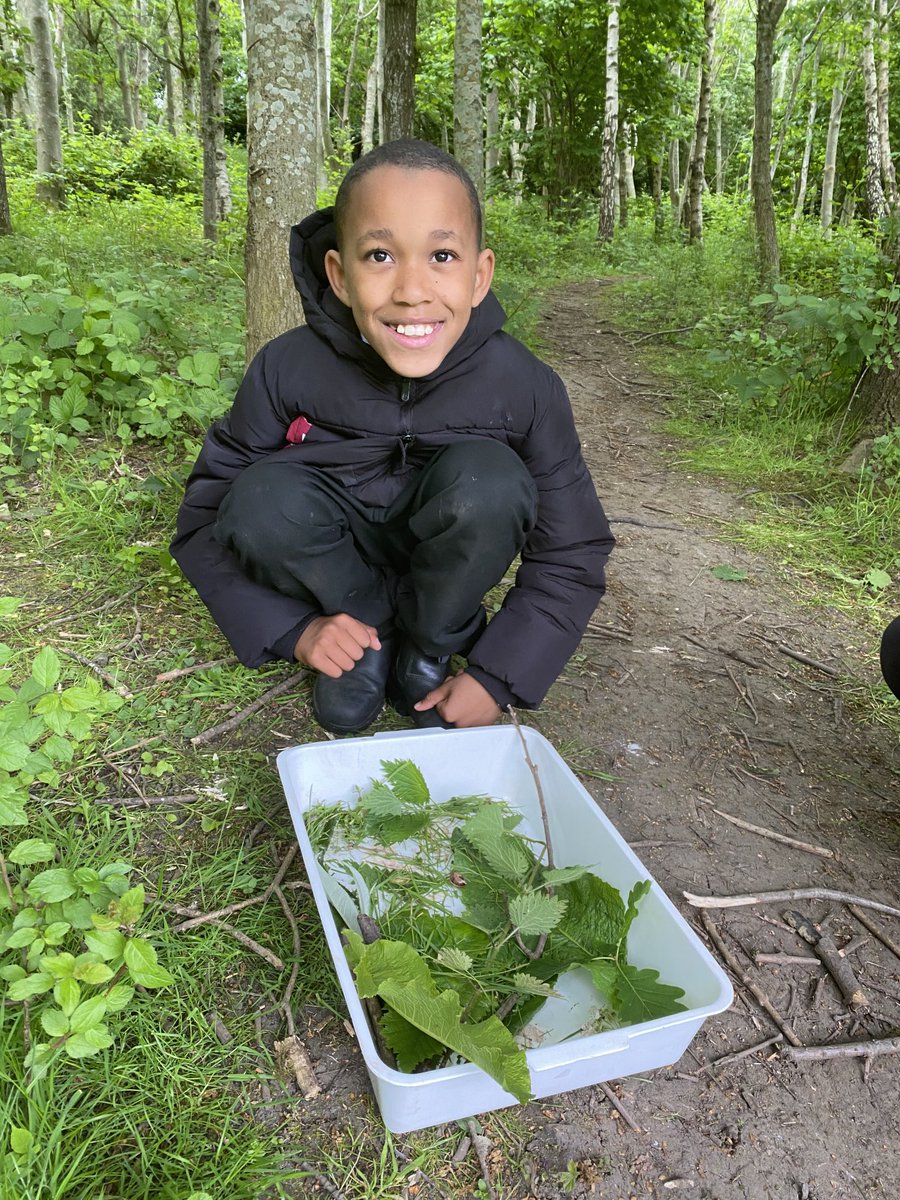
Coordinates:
[48,140]
[5,218]
[656,173]
[826,210]
[65,89]
[889,174]
[607,213]
[786,119]
[807,144]
[351,64]
[379,67]
[399,69]
[124,80]
[216,190]
[368,123]
[875,201]
[720,163]
[468,118]
[324,147]
[621,181]
[701,134]
[492,134]
[674,178]
[281,154]
[141,67]
[768,14]
[630,144]
[516,157]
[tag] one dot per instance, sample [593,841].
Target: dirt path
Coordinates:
[682,693]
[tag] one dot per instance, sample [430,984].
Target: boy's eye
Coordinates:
[444,256]
[379,256]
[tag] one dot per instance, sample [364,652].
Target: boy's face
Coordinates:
[410,267]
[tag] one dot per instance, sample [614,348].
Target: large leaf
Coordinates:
[396,973]
[641,997]
[592,925]
[506,852]
[142,965]
[406,781]
[410,1045]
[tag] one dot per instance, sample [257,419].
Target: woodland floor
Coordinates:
[682,693]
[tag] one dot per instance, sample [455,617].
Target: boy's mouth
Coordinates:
[417,333]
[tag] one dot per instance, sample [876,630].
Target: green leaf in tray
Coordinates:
[535,913]
[406,781]
[507,854]
[410,1045]
[641,997]
[396,973]
[593,921]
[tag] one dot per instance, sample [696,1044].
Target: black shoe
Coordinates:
[351,702]
[414,675]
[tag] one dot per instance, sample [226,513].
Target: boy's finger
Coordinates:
[432,698]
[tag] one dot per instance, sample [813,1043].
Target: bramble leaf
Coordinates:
[535,913]
[396,973]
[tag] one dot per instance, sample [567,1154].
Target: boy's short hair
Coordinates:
[411,154]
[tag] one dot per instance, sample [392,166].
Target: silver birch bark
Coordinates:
[516,157]
[606,218]
[324,146]
[768,14]
[701,129]
[379,71]
[829,172]
[889,173]
[351,62]
[630,143]
[622,188]
[492,133]
[48,139]
[808,142]
[141,73]
[281,153]
[216,189]
[675,177]
[720,175]
[875,201]
[399,57]
[468,118]
[124,80]
[64,86]
[368,124]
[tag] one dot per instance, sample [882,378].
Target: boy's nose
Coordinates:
[411,284]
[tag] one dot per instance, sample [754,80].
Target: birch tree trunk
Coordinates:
[720,174]
[607,213]
[324,147]
[826,210]
[399,69]
[141,67]
[216,189]
[630,142]
[468,133]
[674,178]
[701,132]
[516,158]
[64,87]
[889,173]
[48,139]
[808,141]
[492,134]
[622,170]
[281,153]
[124,80]
[351,63]
[768,14]
[368,123]
[875,201]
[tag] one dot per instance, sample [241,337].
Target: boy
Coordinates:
[382,466]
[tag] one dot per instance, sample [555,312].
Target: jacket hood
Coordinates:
[332,320]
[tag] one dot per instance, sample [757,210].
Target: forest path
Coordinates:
[681,692]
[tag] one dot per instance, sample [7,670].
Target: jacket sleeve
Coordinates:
[561,577]
[260,624]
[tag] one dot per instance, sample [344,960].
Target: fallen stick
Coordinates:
[787,895]
[240,936]
[145,801]
[808,847]
[787,960]
[202,918]
[482,1145]
[874,929]
[727,1059]
[843,1050]
[758,994]
[110,680]
[273,693]
[826,949]
[112,602]
[619,1107]
[292,1059]
[168,676]
[295,966]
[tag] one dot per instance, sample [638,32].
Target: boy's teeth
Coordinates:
[415,330]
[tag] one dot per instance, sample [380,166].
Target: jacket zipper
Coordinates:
[407,438]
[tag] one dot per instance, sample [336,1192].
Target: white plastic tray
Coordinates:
[490,761]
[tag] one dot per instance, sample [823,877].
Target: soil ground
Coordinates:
[684,693]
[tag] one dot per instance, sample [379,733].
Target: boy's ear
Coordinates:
[334,269]
[484,273]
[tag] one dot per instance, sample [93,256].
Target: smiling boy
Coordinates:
[382,466]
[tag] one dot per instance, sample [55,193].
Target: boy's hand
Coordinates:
[463,702]
[335,644]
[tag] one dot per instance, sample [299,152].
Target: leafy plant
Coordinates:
[466,930]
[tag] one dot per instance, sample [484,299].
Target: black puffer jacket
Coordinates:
[371,429]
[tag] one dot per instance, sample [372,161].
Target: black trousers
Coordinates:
[422,565]
[890,656]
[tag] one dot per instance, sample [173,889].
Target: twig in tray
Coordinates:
[168,676]
[808,847]
[620,1107]
[788,895]
[758,994]
[871,1049]
[280,689]
[110,680]
[875,930]
[535,774]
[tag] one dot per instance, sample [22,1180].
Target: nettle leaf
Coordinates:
[639,996]
[46,667]
[380,801]
[554,876]
[410,1045]
[530,985]
[396,973]
[140,958]
[506,852]
[455,960]
[535,913]
[32,850]
[593,921]
[406,781]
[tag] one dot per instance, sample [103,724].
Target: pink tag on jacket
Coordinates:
[297,430]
